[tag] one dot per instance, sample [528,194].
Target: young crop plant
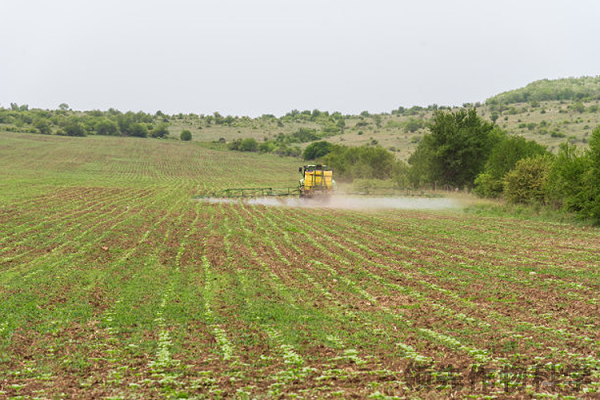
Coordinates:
[116,282]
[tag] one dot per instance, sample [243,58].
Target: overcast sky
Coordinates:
[249,57]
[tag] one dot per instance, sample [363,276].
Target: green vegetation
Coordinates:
[317,150]
[248,144]
[364,162]
[185,135]
[549,123]
[463,150]
[574,179]
[455,151]
[162,131]
[578,89]
[116,284]
[282,144]
[66,122]
[526,182]
[474,147]
[503,158]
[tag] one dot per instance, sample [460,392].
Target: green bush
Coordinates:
[138,130]
[105,126]
[364,162]
[566,181]
[526,183]
[267,147]
[413,125]
[304,135]
[592,178]
[185,135]
[161,131]
[74,128]
[391,124]
[317,150]
[43,126]
[249,144]
[503,158]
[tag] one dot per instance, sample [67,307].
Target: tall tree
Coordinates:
[456,149]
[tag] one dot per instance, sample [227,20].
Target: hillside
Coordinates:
[548,111]
[571,89]
[547,122]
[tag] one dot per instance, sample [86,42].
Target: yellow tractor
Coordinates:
[317,180]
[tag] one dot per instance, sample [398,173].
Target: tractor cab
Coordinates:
[316,180]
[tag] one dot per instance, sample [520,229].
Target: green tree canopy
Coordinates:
[503,158]
[567,178]
[302,135]
[74,127]
[592,179]
[456,149]
[161,130]
[574,179]
[43,126]
[317,150]
[139,130]
[361,162]
[105,126]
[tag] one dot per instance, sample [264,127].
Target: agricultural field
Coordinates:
[117,283]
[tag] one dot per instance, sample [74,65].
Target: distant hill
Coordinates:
[583,89]
[547,111]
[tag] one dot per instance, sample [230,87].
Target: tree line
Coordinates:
[66,122]
[462,150]
[282,144]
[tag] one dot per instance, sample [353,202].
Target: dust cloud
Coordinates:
[351,202]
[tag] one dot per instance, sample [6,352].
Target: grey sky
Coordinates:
[253,57]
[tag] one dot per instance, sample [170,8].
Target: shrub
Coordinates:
[267,147]
[503,158]
[74,128]
[566,181]
[138,130]
[304,135]
[249,144]
[393,124]
[317,150]
[43,126]
[526,183]
[413,125]
[577,107]
[185,135]
[106,127]
[161,131]
[361,162]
